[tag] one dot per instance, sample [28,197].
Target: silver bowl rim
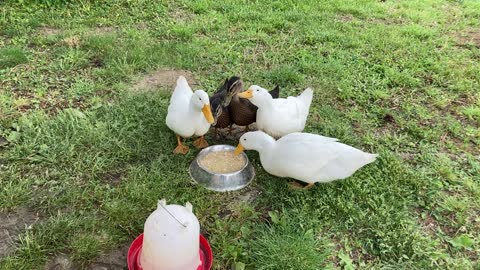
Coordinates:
[207,150]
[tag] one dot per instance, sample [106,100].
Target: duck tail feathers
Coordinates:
[371,157]
[275,93]
[306,97]
[181,81]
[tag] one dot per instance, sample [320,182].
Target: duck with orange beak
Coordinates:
[279,116]
[189,114]
[306,157]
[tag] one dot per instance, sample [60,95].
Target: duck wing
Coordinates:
[310,156]
[301,154]
[306,137]
[223,119]
[243,112]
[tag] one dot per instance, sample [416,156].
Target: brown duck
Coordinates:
[229,109]
[220,100]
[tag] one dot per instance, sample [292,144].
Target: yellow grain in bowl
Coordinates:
[222,162]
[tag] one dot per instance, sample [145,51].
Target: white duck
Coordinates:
[306,157]
[280,116]
[189,114]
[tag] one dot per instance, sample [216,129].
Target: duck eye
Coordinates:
[258,90]
[200,99]
[244,139]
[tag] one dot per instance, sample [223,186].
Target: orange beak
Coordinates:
[239,149]
[207,112]
[246,94]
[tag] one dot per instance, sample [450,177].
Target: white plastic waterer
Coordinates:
[171,239]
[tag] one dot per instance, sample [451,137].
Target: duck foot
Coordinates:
[200,143]
[180,149]
[297,185]
[309,186]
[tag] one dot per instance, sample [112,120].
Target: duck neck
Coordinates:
[192,107]
[266,144]
[263,102]
[234,98]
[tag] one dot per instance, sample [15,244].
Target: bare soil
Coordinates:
[165,78]
[114,177]
[12,224]
[472,36]
[101,30]
[60,262]
[49,31]
[114,260]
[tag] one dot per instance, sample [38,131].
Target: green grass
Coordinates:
[93,157]
[10,57]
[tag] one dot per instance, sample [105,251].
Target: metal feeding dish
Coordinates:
[221,181]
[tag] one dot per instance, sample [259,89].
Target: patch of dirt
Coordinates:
[429,224]
[50,103]
[3,142]
[391,21]
[101,30]
[221,134]
[114,178]
[249,196]
[48,31]
[60,262]
[389,118]
[345,18]
[12,224]
[407,156]
[449,230]
[358,256]
[72,42]
[114,260]
[166,78]
[350,18]
[470,37]
[141,26]
[181,15]
[224,212]
[246,196]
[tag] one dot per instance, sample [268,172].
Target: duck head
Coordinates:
[234,85]
[218,111]
[231,86]
[201,102]
[255,140]
[256,94]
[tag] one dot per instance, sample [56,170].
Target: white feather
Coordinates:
[184,117]
[282,116]
[306,157]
